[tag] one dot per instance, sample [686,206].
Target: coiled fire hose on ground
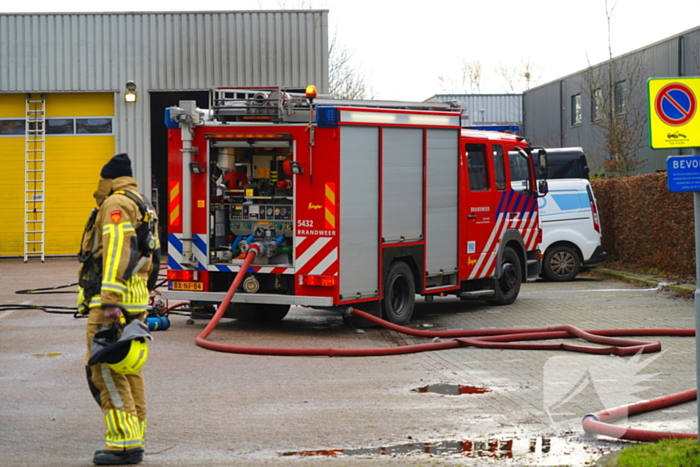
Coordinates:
[494,339]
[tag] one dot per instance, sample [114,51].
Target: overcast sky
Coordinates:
[403,46]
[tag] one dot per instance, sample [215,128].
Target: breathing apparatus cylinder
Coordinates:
[158,323]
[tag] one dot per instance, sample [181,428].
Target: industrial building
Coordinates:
[498,112]
[77,88]
[570,111]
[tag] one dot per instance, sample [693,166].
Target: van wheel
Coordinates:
[511,276]
[399,294]
[561,263]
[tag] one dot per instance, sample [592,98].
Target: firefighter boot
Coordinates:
[107,457]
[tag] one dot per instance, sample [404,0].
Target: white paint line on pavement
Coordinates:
[6,313]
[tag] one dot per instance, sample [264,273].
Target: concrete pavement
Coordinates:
[208,408]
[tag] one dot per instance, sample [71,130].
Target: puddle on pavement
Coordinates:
[452,389]
[493,448]
[40,355]
[531,450]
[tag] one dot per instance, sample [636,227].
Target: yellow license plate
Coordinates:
[179,285]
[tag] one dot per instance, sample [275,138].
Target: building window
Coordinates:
[12,127]
[500,167]
[576,109]
[93,125]
[620,97]
[60,126]
[596,105]
[476,165]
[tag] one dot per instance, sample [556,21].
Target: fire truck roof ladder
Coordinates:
[291,105]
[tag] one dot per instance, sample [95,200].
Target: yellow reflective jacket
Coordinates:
[125,272]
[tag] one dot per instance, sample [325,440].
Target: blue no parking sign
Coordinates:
[683,173]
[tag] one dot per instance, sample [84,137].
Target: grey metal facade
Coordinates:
[547,116]
[100,52]
[486,109]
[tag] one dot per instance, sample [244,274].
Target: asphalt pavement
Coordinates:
[464,406]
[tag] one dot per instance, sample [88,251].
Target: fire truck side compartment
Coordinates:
[402,185]
[442,202]
[359,211]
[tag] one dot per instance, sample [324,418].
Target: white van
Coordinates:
[571,235]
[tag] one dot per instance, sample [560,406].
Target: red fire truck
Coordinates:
[350,203]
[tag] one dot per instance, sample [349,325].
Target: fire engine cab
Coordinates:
[361,204]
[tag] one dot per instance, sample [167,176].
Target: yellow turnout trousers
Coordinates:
[122,398]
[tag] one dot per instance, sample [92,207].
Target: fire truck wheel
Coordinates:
[271,312]
[399,294]
[252,312]
[560,264]
[241,311]
[508,284]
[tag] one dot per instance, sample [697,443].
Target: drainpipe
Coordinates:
[561,114]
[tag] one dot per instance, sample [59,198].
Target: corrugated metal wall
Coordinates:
[487,109]
[160,52]
[547,108]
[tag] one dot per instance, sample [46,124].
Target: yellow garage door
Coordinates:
[78,141]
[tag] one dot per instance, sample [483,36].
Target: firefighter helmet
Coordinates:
[125,355]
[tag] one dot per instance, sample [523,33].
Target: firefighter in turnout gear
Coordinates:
[120,255]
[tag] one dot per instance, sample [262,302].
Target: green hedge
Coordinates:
[646,225]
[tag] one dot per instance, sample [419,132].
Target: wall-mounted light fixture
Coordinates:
[195,168]
[130,94]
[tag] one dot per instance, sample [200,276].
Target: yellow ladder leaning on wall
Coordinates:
[34,202]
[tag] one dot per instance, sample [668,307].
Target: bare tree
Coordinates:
[508,75]
[612,88]
[467,81]
[517,78]
[345,80]
[531,73]
[293,5]
[472,71]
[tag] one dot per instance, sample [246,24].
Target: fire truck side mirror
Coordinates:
[542,188]
[542,163]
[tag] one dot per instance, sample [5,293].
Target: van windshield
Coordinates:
[565,164]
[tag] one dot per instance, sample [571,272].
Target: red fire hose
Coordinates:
[495,339]
[595,422]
